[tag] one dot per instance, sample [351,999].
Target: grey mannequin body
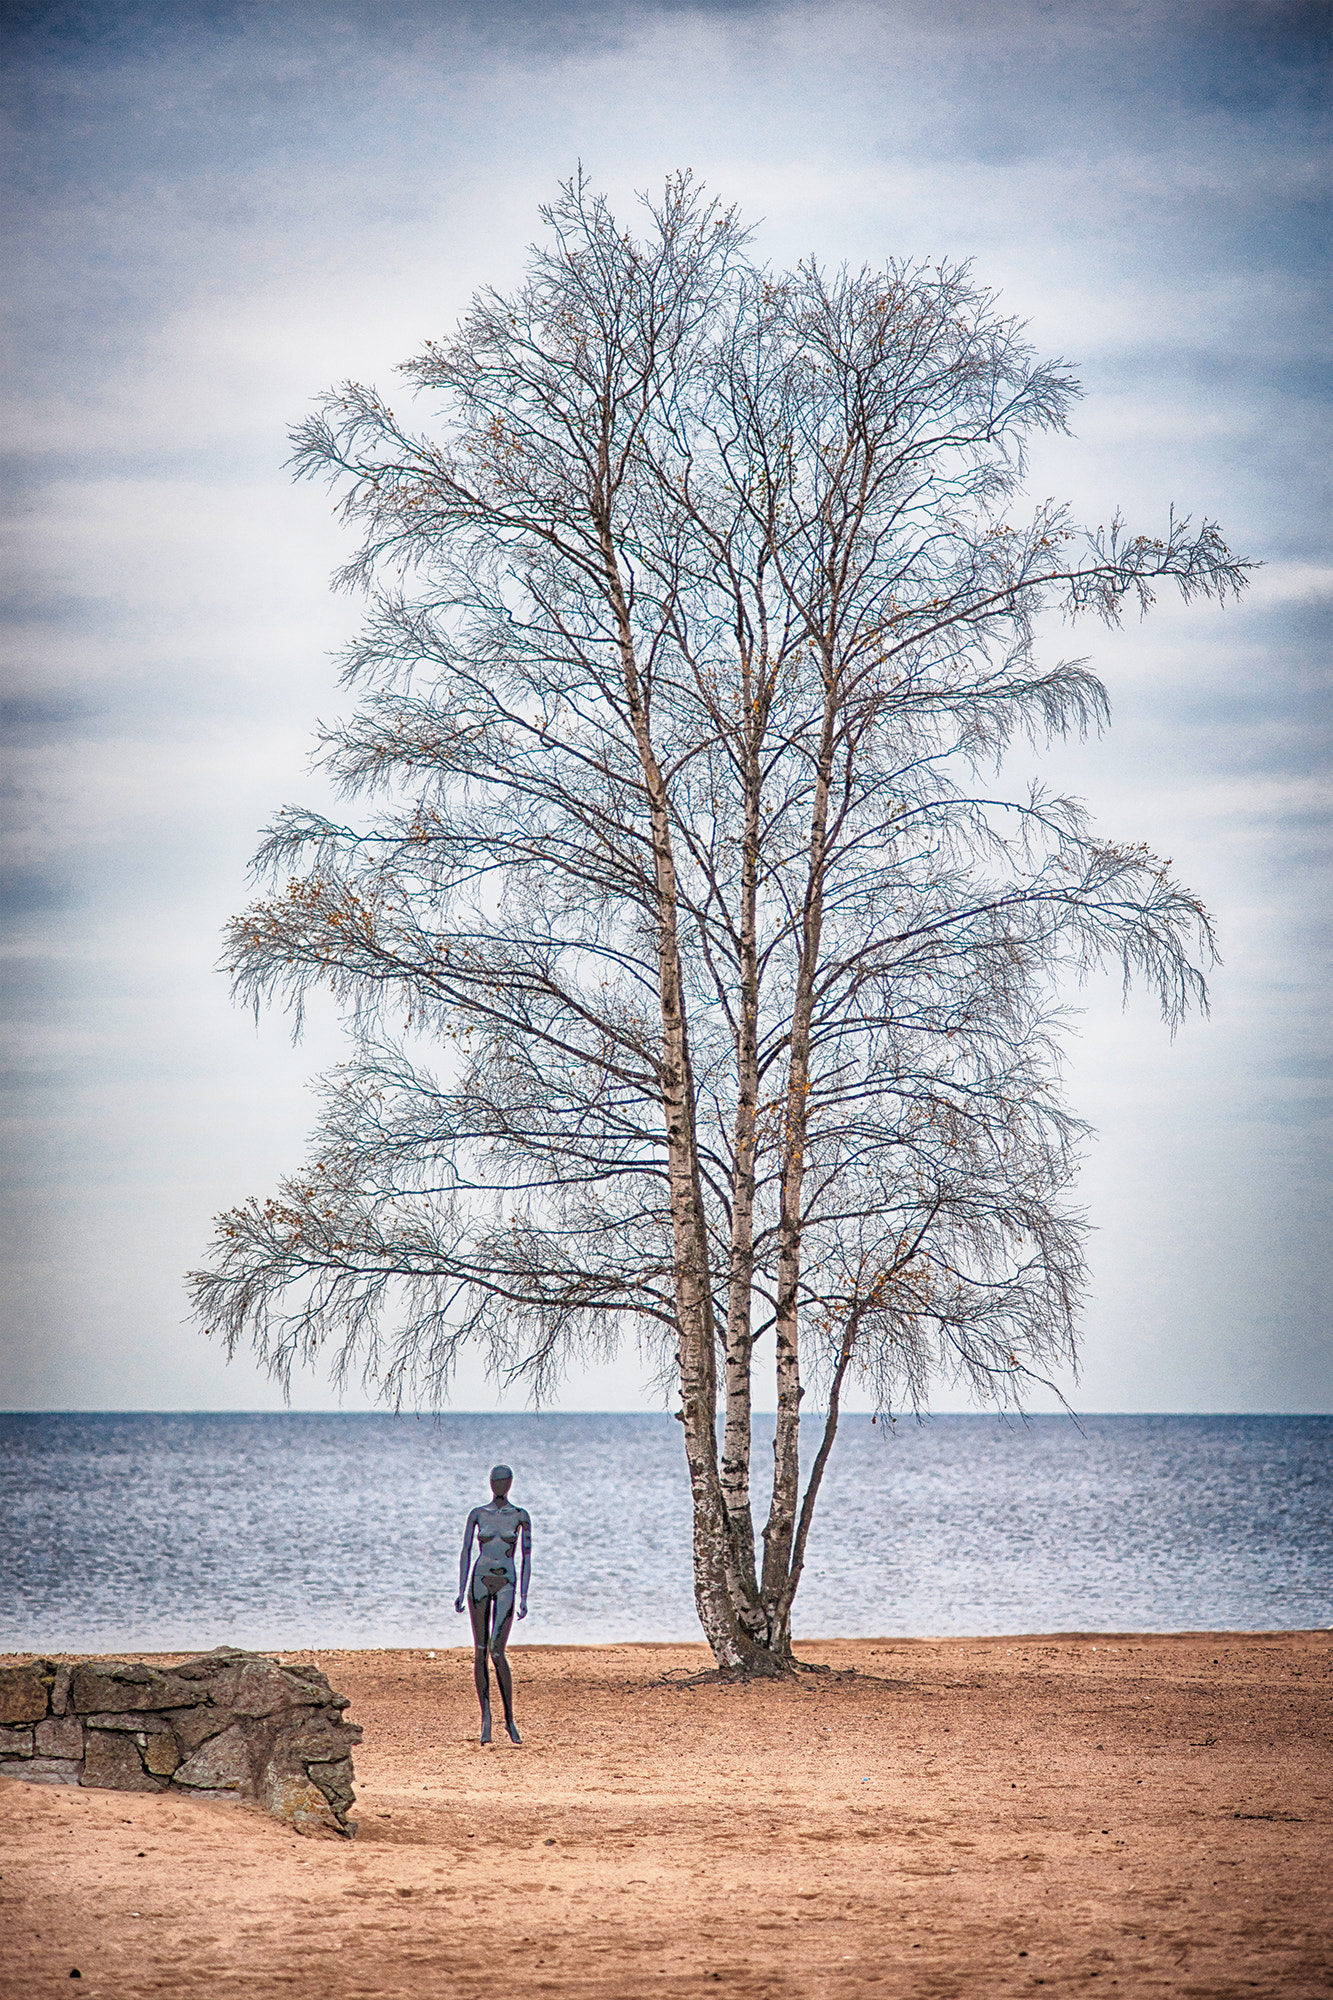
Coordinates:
[500,1529]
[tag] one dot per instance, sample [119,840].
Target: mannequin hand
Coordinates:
[458,1605]
[522,1610]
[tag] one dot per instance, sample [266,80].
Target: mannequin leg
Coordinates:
[504,1618]
[480,1608]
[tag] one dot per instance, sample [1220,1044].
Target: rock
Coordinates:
[45,1771]
[225,1725]
[334,1780]
[262,1687]
[194,1726]
[204,1665]
[301,1803]
[322,1740]
[112,1760]
[59,1736]
[22,1694]
[159,1753]
[127,1685]
[60,1689]
[128,1718]
[222,1765]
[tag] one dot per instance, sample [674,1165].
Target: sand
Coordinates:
[980,1817]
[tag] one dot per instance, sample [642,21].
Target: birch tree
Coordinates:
[701,981]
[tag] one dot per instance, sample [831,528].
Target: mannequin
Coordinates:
[498,1528]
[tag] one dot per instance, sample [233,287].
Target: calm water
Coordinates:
[151,1532]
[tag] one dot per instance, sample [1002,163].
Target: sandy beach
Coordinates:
[1095,1813]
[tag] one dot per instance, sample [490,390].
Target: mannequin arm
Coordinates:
[465,1558]
[525,1537]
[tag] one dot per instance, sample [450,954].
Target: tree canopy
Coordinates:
[700,619]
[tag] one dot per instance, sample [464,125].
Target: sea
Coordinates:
[163,1532]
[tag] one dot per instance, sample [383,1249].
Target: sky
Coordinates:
[216,213]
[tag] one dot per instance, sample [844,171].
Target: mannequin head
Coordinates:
[501,1481]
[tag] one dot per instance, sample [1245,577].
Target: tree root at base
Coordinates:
[787,1670]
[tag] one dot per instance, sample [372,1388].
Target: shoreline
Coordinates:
[1127,1812]
[1091,1635]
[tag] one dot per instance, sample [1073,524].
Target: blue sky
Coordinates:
[217,212]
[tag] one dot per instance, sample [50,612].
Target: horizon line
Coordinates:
[885,1420]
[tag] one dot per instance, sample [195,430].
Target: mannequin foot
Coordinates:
[485,1728]
[514,1736]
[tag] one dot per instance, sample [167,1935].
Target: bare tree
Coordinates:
[697,622]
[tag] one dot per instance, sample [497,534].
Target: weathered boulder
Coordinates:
[193,1726]
[224,1725]
[45,1771]
[131,1719]
[59,1736]
[223,1764]
[301,1801]
[60,1687]
[158,1753]
[335,1779]
[120,1685]
[111,1759]
[261,1687]
[23,1694]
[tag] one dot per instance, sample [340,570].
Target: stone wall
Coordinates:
[223,1725]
